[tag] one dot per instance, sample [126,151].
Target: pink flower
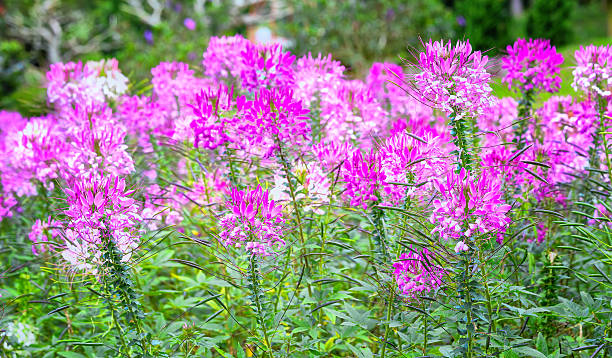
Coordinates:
[453,78]
[461,246]
[593,72]
[209,124]
[253,221]
[99,206]
[190,24]
[266,66]
[410,166]
[316,77]
[364,179]
[220,58]
[532,65]
[469,205]
[417,273]
[271,119]
[41,232]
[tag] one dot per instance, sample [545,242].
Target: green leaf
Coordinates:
[528,352]
[541,344]
[71,355]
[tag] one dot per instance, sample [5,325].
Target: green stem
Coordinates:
[259,311]
[524,112]
[298,216]
[388,323]
[468,308]
[380,237]
[488,302]
[594,158]
[126,348]
[425,329]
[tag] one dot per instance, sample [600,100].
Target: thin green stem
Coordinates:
[388,323]
[298,216]
[468,309]
[256,294]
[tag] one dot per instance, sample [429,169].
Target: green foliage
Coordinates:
[552,19]
[487,23]
[360,32]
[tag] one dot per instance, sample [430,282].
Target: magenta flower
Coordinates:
[593,72]
[41,232]
[272,119]
[364,179]
[453,78]
[532,65]
[220,60]
[332,154]
[208,127]
[410,165]
[99,206]
[351,112]
[315,77]
[89,84]
[33,153]
[469,205]
[417,273]
[190,24]
[266,66]
[254,221]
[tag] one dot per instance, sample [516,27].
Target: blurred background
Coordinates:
[142,33]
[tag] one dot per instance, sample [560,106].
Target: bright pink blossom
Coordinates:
[593,72]
[469,205]
[417,273]
[253,221]
[453,78]
[364,179]
[532,65]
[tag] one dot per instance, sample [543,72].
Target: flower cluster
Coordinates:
[532,65]
[454,78]
[209,124]
[253,221]
[99,208]
[469,205]
[266,66]
[409,165]
[41,232]
[364,179]
[86,84]
[593,72]
[417,273]
[273,119]
[219,59]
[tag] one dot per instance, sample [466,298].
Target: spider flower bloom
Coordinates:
[254,221]
[266,66]
[469,205]
[219,59]
[86,84]
[364,179]
[317,77]
[417,273]
[409,161]
[532,65]
[274,118]
[99,206]
[593,72]
[40,233]
[332,154]
[208,126]
[454,78]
